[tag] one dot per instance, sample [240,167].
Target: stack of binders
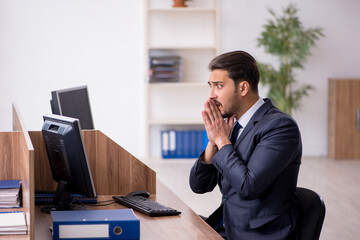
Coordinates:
[165,69]
[10,193]
[12,223]
[183,143]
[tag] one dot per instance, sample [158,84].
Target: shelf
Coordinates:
[179,84]
[180,47]
[192,34]
[186,9]
[176,122]
[153,160]
[182,28]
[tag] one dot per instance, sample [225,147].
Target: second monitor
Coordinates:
[73,102]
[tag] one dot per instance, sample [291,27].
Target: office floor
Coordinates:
[337,181]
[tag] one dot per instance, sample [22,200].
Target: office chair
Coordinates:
[312,214]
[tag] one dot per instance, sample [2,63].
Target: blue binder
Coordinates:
[199,142]
[179,144]
[6,184]
[10,190]
[205,140]
[193,144]
[95,224]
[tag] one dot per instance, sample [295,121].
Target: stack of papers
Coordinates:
[12,223]
[10,193]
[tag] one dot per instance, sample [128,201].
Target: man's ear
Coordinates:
[243,88]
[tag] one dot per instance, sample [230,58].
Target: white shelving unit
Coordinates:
[191,33]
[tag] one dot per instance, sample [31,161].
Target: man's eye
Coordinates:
[219,86]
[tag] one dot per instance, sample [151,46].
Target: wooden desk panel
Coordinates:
[114,170]
[16,161]
[188,225]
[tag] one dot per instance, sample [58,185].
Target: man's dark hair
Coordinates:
[240,66]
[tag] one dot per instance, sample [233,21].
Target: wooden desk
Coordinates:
[115,172]
[188,225]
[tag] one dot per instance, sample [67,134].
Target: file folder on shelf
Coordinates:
[9,184]
[183,143]
[95,224]
[10,193]
[12,223]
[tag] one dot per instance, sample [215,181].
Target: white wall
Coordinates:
[336,54]
[47,45]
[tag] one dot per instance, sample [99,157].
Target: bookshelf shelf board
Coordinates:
[176,121]
[179,84]
[183,47]
[188,9]
[153,160]
[192,33]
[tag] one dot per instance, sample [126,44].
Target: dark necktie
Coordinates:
[235,132]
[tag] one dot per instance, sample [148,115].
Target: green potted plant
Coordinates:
[285,38]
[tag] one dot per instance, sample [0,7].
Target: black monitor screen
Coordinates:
[68,160]
[73,102]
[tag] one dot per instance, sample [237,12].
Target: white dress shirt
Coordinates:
[245,118]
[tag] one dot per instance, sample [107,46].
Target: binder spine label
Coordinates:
[84,231]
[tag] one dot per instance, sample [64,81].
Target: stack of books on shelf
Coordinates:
[10,194]
[165,69]
[10,197]
[12,223]
[183,143]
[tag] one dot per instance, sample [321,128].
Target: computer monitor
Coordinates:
[73,102]
[68,160]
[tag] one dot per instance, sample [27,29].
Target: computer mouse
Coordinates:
[142,193]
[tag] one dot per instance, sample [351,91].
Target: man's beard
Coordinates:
[230,109]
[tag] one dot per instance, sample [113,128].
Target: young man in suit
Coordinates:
[257,171]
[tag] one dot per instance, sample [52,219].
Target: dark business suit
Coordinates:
[257,177]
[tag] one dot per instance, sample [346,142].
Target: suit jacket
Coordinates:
[257,177]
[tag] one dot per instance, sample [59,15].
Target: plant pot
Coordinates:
[179,3]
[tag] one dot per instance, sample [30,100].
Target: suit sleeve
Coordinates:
[203,177]
[278,146]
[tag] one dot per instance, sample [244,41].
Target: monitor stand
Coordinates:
[62,200]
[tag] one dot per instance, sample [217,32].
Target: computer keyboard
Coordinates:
[146,206]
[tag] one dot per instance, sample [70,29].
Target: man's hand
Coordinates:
[217,129]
